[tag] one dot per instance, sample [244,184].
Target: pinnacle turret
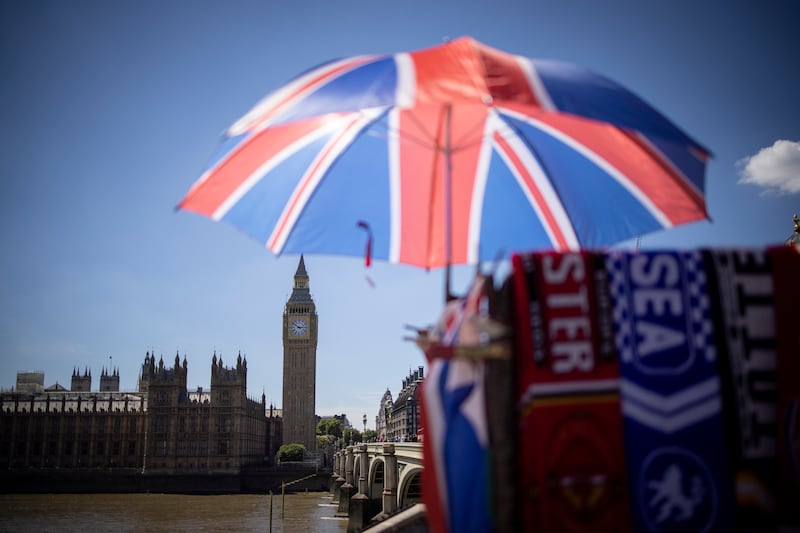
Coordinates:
[301,292]
[301,268]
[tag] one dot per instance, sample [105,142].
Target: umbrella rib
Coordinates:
[448,219]
[433,138]
[415,139]
[457,146]
[454,146]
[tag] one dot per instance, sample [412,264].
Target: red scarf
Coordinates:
[570,444]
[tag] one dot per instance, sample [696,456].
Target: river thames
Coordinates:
[92,513]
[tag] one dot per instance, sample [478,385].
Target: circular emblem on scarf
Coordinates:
[585,479]
[676,491]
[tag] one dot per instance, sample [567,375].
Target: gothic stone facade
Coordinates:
[401,420]
[161,428]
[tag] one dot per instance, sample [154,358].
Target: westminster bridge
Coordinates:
[372,481]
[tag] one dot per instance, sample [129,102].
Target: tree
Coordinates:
[370,435]
[323,441]
[291,452]
[330,426]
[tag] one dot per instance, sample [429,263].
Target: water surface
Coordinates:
[93,513]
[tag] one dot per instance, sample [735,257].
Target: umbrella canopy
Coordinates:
[448,155]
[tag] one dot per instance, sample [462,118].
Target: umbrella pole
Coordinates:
[447,294]
[448,245]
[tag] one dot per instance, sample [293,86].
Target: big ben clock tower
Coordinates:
[300,363]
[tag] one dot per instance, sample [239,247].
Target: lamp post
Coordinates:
[409,418]
[365,422]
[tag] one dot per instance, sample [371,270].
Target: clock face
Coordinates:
[298,327]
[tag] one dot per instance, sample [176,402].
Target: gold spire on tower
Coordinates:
[794,240]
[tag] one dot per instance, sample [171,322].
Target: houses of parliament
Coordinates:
[162,427]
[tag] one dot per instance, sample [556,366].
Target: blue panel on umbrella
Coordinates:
[257,212]
[370,85]
[587,192]
[519,227]
[576,90]
[355,188]
[688,161]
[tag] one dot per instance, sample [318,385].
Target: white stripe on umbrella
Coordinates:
[535,82]
[406,90]
[479,189]
[395,200]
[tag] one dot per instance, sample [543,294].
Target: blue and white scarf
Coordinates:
[671,402]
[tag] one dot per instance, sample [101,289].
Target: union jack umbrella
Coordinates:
[452,154]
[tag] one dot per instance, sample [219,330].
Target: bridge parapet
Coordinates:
[406,452]
[405,461]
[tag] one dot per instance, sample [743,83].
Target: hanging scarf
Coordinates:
[675,450]
[572,473]
[741,291]
[786,272]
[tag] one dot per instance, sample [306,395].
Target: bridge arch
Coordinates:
[409,487]
[377,473]
[356,470]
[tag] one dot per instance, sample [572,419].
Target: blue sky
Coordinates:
[112,110]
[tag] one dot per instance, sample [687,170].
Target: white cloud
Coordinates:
[777,168]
